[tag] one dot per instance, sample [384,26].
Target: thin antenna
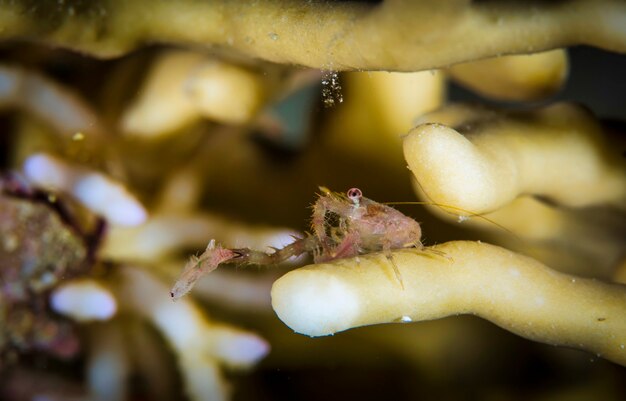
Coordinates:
[443,208]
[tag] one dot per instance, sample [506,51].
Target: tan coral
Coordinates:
[515,78]
[529,218]
[176,222]
[327,35]
[381,106]
[83,300]
[480,160]
[584,242]
[98,192]
[400,98]
[57,105]
[511,290]
[183,86]
[201,345]
[620,272]
[108,362]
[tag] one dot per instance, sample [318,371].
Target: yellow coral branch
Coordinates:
[327,35]
[519,77]
[50,101]
[559,152]
[511,290]
[183,86]
[108,362]
[199,343]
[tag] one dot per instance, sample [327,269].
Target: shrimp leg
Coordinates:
[348,247]
[387,252]
[215,255]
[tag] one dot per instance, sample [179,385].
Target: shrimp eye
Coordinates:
[354,194]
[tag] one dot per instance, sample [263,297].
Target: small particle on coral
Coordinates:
[461,219]
[406,319]
[273,36]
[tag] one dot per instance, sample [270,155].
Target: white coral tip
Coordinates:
[84,300]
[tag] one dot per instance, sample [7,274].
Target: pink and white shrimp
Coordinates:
[365,226]
[344,225]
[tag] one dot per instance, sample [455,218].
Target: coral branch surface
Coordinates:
[480,160]
[515,78]
[327,35]
[513,291]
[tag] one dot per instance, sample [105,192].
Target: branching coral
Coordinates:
[132,164]
[554,177]
[515,78]
[559,152]
[47,100]
[183,86]
[108,366]
[327,35]
[41,303]
[83,300]
[200,344]
[96,191]
[511,290]
[177,223]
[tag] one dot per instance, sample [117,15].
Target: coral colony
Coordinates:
[166,231]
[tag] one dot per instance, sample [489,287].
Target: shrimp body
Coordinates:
[363,226]
[381,226]
[344,225]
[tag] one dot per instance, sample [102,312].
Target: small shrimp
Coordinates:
[365,226]
[343,225]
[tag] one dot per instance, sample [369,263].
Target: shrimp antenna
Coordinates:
[443,207]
